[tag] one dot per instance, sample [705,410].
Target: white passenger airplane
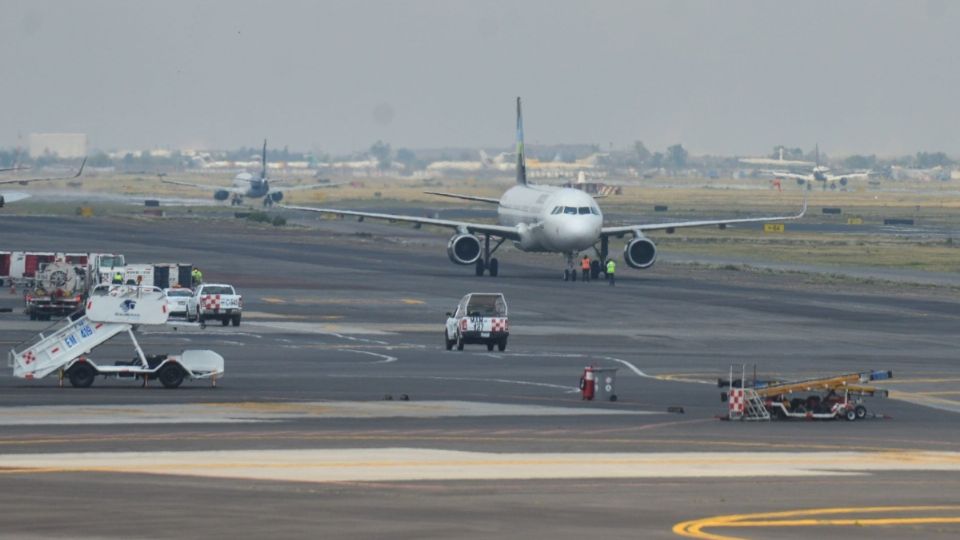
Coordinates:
[819,173]
[547,219]
[246,185]
[17,196]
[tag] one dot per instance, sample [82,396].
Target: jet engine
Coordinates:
[221,194]
[640,252]
[276,196]
[463,249]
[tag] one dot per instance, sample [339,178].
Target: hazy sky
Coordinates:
[730,77]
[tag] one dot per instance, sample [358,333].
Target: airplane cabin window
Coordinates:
[570,210]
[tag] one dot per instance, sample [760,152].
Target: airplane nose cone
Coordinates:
[579,232]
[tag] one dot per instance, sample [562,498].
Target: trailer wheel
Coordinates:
[861,412]
[81,375]
[850,414]
[170,375]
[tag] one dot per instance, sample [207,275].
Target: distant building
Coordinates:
[64,145]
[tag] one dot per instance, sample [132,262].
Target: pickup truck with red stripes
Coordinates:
[214,301]
[479,318]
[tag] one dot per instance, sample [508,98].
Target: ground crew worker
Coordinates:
[585,267]
[611,270]
[197,276]
[118,278]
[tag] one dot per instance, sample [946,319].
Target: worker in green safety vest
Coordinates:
[611,271]
[197,276]
[118,278]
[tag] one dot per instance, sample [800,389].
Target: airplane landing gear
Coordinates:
[486,262]
[570,272]
[236,200]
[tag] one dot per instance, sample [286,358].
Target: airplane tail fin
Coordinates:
[263,162]
[521,159]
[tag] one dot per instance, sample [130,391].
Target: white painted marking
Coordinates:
[385,358]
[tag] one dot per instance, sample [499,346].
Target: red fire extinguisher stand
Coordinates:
[587,383]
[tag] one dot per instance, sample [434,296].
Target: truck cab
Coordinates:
[479,318]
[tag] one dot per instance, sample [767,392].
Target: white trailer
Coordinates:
[110,311]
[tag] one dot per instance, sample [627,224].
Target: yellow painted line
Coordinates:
[695,528]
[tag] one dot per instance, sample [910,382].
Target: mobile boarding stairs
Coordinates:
[109,312]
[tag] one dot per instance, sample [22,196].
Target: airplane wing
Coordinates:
[464,197]
[28,180]
[621,229]
[501,231]
[301,187]
[230,189]
[785,174]
[851,176]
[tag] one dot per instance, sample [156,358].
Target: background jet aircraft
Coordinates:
[819,173]
[11,197]
[246,185]
[543,218]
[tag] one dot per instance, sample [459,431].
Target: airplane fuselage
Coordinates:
[254,188]
[550,218]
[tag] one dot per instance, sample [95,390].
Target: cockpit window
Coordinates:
[557,209]
[594,210]
[570,210]
[584,210]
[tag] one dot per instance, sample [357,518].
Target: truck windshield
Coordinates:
[487,305]
[110,261]
[217,289]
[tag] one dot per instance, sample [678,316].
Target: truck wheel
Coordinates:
[81,375]
[170,375]
[236,320]
[225,321]
[459,342]
[489,345]
[502,345]
[186,315]
[861,412]
[447,341]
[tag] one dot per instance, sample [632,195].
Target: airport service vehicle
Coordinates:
[215,301]
[177,300]
[58,290]
[109,311]
[540,218]
[479,318]
[828,398]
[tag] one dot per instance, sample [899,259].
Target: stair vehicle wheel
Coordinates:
[480,267]
[81,375]
[861,412]
[170,375]
[502,345]
[235,320]
[494,267]
[850,414]
[613,397]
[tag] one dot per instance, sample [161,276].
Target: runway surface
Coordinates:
[298,440]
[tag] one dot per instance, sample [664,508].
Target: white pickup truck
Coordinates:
[215,301]
[479,318]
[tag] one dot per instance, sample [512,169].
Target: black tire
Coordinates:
[170,375]
[566,275]
[490,346]
[225,321]
[459,342]
[81,375]
[502,345]
[235,320]
[480,267]
[447,341]
[861,412]
[613,397]
[494,267]
[33,316]
[850,414]
[186,315]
